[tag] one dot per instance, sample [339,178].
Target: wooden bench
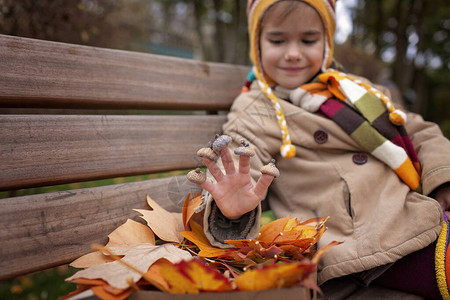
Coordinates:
[70,114]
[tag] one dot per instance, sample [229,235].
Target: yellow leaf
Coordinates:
[193,276]
[205,278]
[179,282]
[165,225]
[274,276]
[198,237]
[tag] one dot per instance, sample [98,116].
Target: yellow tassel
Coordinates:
[287,151]
[397,117]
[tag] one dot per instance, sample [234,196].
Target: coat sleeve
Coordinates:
[239,126]
[433,151]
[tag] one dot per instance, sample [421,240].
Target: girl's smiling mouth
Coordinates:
[292,69]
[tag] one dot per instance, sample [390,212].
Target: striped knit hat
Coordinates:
[255,11]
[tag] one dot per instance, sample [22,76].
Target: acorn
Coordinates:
[196,176]
[245,149]
[221,142]
[270,169]
[208,152]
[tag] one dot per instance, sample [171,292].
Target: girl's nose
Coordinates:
[293,53]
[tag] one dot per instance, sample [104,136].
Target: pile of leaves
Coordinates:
[183,260]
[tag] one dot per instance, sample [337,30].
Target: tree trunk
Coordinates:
[401,45]
[204,53]
[379,22]
[219,51]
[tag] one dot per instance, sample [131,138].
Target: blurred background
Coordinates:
[403,44]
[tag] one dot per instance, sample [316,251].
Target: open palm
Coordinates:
[234,192]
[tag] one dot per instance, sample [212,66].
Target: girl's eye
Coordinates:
[276,42]
[309,41]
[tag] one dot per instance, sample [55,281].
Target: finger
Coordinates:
[207,185]
[262,185]
[227,161]
[214,169]
[244,164]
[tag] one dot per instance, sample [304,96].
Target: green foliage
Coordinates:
[46,285]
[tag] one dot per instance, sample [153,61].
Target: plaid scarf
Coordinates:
[367,116]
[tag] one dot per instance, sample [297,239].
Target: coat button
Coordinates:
[320,136]
[360,158]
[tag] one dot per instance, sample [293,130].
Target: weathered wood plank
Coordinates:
[88,77]
[37,150]
[41,231]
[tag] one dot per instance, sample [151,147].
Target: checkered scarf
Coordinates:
[367,116]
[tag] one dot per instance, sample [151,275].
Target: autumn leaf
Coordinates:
[165,225]
[189,207]
[198,237]
[140,257]
[193,276]
[283,255]
[153,275]
[285,239]
[91,259]
[274,276]
[269,232]
[130,233]
[102,292]
[100,288]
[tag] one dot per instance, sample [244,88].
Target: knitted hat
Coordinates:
[255,11]
[257,8]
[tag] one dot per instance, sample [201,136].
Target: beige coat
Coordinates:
[373,213]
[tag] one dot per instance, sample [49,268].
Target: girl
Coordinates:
[344,153]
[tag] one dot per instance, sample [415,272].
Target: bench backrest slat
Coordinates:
[37,150]
[46,74]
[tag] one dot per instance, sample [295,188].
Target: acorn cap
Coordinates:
[196,176]
[270,169]
[245,149]
[221,142]
[208,153]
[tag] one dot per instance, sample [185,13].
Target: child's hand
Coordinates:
[234,192]
[442,195]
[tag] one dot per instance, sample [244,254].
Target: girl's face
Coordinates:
[292,47]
